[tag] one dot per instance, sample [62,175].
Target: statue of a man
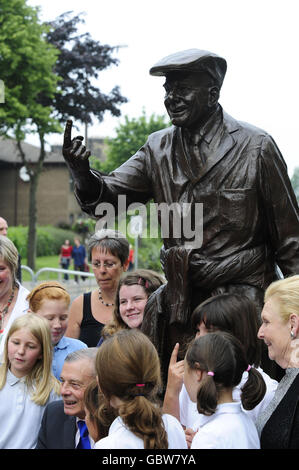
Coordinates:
[250,218]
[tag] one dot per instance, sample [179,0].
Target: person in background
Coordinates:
[79,257]
[51,300]
[131,259]
[65,257]
[133,290]
[214,365]
[13,295]
[3,231]
[63,425]
[278,425]
[108,251]
[27,384]
[129,376]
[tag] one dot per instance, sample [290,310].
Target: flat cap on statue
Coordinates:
[192,60]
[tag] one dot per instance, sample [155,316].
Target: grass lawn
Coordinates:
[42,262]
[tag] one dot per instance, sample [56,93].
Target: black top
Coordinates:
[90,327]
[281,431]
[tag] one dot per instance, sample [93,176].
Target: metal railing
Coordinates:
[59,271]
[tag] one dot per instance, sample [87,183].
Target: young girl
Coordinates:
[51,301]
[128,373]
[234,314]
[131,296]
[26,382]
[214,365]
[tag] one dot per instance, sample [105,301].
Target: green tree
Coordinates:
[130,136]
[48,72]
[26,68]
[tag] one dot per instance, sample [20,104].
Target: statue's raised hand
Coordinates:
[74,152]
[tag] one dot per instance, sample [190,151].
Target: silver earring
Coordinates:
[292,334]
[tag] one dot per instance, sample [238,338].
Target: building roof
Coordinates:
[9,153]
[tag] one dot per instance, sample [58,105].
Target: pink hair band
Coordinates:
[248,368]
[211,373]
[140,385]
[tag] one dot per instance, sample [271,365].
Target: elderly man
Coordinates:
[63,424]
[250,219]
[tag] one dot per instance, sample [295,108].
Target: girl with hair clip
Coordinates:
[214,365]
[131,390]
[51,301]
[26,382]
[131,297]
[234,314]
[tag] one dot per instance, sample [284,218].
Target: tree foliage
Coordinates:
[26,68]
[48,72]
[130,136]
[80,61]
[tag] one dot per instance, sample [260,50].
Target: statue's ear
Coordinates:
[214,94]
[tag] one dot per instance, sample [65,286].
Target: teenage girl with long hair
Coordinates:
[27,384]
[129,376]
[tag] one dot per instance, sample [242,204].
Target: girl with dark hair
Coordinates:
[234,314]
[214,365]
[131,297]
[129,376]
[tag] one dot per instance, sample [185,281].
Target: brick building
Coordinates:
[56,202]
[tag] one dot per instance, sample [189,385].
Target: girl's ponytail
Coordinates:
[254,389]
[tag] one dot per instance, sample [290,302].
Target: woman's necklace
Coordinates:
[101,299]
[4,311]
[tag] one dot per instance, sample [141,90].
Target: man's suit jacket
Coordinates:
[57,429]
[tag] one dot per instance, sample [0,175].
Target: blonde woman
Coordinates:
[278,425]
[13,295]
[26,381]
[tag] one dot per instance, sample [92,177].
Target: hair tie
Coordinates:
[140,385]
[248,368]
[211,373]
[143,282]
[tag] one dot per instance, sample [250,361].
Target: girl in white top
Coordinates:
[214,365]
[26,381]
[224,312]
[128,373]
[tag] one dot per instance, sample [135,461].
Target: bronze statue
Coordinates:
[250,213]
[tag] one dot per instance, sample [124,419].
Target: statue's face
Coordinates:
[188,98]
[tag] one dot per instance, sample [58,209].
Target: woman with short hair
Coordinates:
[108,252]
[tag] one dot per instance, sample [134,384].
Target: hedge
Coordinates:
[49,239]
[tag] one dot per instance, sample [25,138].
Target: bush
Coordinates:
[49,239]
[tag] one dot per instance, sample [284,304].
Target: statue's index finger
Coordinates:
[67,140]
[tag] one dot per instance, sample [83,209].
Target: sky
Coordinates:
[259,40]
